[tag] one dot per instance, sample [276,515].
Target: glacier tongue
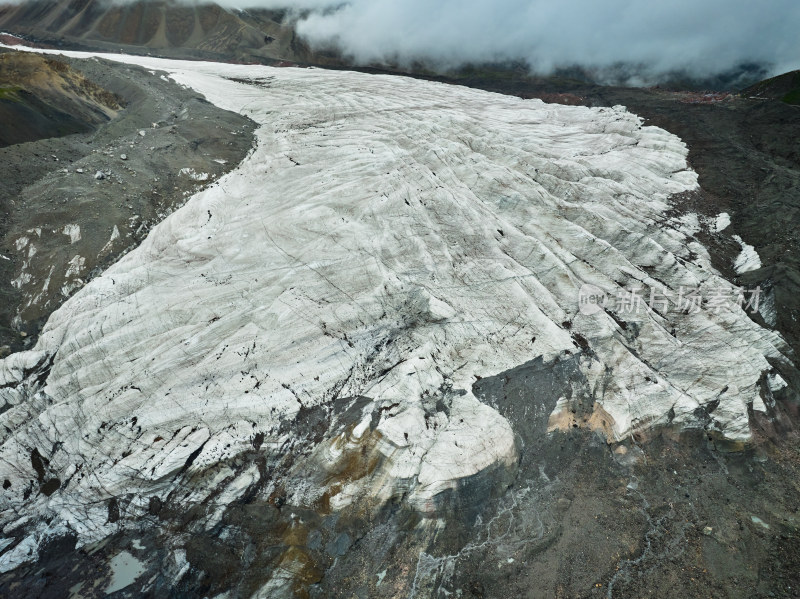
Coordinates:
[387,238]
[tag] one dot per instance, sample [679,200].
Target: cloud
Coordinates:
[698,37]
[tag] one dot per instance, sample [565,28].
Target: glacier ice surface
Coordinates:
[387,237]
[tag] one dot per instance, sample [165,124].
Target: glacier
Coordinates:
[388,240]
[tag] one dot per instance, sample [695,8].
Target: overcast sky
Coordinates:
[700,36]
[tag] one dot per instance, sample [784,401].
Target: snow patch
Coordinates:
[114,236]
[73,231]
[748,259]
[195,176]
[722,222]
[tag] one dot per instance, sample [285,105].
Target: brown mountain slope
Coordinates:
[165,27]
[43,97]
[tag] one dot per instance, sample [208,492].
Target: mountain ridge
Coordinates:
[166,27]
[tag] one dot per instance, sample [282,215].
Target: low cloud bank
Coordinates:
[696,37]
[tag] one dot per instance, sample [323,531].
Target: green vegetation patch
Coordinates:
[785,88]
[793,97]
[10,92]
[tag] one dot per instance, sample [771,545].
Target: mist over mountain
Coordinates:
[709,45]
[618,40]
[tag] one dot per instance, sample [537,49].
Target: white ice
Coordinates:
[748,259]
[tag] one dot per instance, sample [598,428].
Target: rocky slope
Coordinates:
[359,363]
[785,88]
[166,27]
[42,97]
